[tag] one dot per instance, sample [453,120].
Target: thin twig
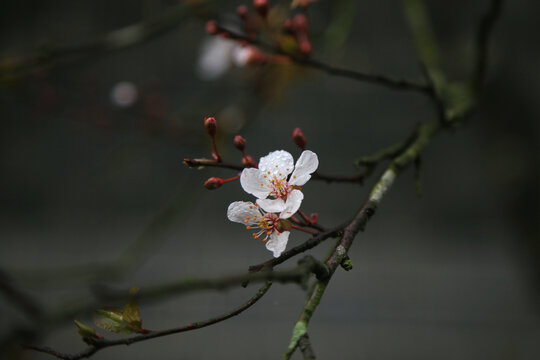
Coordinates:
[305,347]
[383,80]
[100,344]
[309,223]
[196,163]
[371,161]
[299,275]
[309,244]
[118,39]
[377,79]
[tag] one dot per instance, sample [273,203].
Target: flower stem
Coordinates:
[214,145]
[304,217]
[231,179]
[303,229]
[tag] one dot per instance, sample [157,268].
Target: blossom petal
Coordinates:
[278,163]
[215,58]
[307,163]
[294,200]
[240,211]
[253,182]
[278,243]
[272,205]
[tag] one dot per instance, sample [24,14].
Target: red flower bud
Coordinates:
[261,6]
[305,47]
[247,161]
[288,26]
[300,23]
[210,124]
[239,142]
[242,11]
[301,28]
[212,27]
[299,138]
[213,183]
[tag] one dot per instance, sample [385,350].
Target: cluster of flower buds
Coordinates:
[291,37]
[276,182]
[240,143]
[211,126]
[298,27]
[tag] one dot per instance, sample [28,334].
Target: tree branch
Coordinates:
[309,244]
[305,347]
[376,79]
[100,344]
[424,135]
[201,162]
[119,39]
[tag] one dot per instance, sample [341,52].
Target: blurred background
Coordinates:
[102,100]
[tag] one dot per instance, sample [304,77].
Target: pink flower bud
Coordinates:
[301,29]
[213,183]
[305,47]
[247,161]
[239,142]
[210,124]
[300,23]
[242,11]
[288,26]
[261,6]
[212,27]
[299,138]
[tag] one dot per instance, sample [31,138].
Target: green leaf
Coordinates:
[111,319]
[84,330]
[126,320]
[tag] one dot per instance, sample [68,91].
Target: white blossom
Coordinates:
[268,226]
[276,191]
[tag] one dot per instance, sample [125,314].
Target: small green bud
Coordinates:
[347,264]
